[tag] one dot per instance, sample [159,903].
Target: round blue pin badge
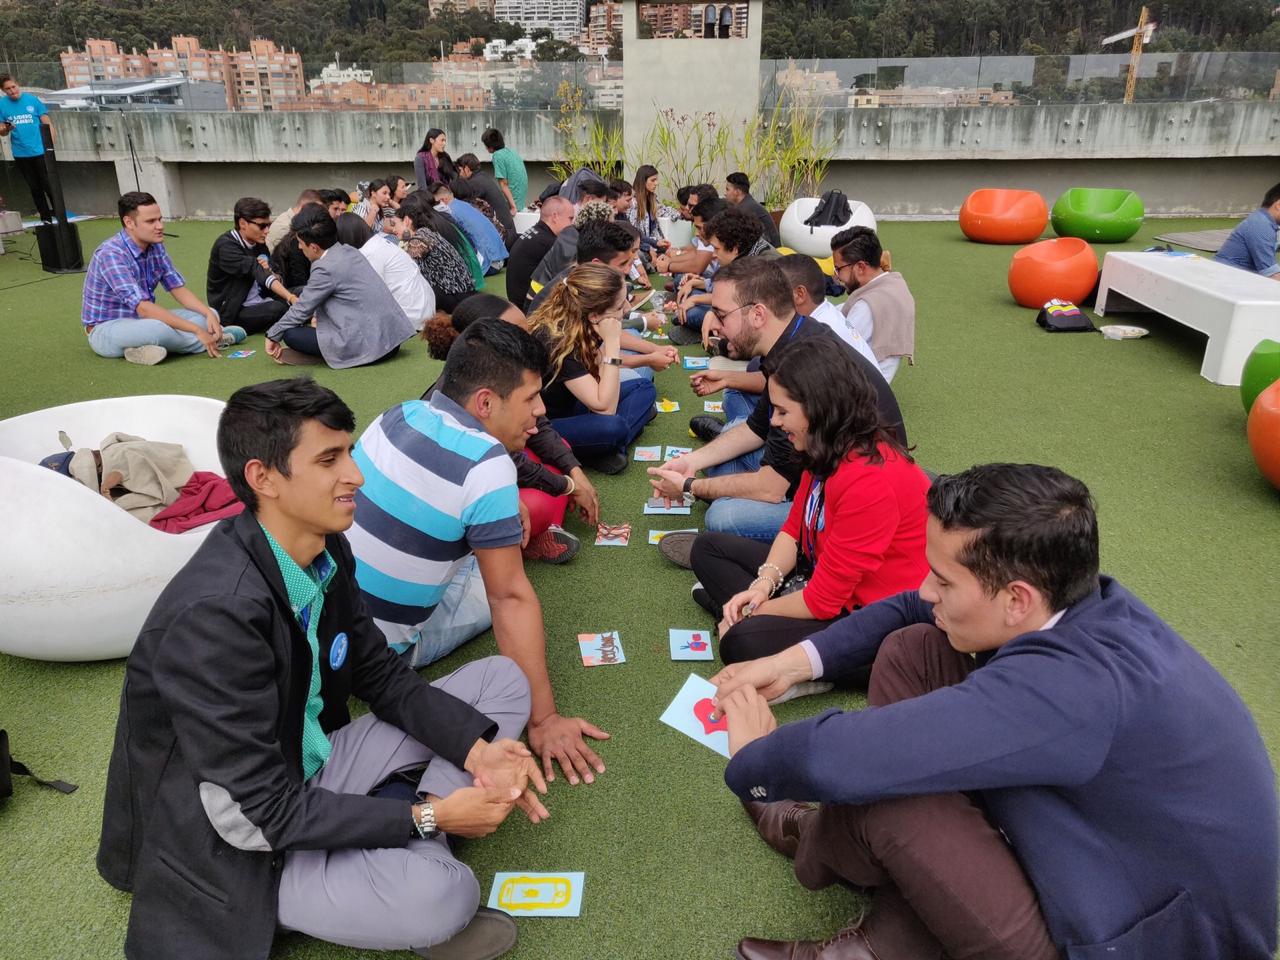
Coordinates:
[338,652]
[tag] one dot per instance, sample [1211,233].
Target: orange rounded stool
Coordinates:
[1003,216]
[1264,433]
[1062,269]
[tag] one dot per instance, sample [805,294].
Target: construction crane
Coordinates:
[1141,34]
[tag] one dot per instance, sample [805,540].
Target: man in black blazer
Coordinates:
[241,285]
[241,796]
[469,169]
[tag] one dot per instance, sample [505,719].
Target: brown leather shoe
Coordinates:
[849,944]
[780,824]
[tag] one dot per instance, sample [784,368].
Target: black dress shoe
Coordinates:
[780,824]
[488,936]
[706,427]
[849,944]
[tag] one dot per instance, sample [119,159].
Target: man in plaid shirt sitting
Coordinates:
[121,317]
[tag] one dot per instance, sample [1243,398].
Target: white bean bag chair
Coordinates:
[816,241]
[679,232]
[78,575]
[525,219]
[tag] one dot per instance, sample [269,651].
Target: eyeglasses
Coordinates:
[261,224]
[723,316]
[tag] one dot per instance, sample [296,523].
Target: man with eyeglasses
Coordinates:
[241,285]
[752,470]
[880,307]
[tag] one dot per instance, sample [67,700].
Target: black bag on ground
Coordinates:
[9,766]
[1063,316]
[832,211]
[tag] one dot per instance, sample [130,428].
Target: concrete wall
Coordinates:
[1223,186]
[1065,131]
[688,75]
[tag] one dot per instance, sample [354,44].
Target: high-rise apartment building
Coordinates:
[256,79]
[564,18]
[604,24]
[668,20]
[435,6]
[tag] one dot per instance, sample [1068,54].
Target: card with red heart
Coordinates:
[690,713]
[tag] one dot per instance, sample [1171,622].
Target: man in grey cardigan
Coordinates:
[357,319]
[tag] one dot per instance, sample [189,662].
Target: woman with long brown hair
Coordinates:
[645,210]
[580,323]
[856,530]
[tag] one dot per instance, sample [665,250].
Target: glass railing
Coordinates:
[1011,80]
[428,86]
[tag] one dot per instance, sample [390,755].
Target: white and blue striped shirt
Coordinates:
[436,487]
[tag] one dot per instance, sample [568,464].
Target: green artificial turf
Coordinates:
[673,868]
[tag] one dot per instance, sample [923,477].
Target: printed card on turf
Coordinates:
[655,536]
[600,649]
[689,713]
[666,506]
[538,894]
[690,644]
[613,534]
[697,363]
[648,454]
[713,406]
[673,452]
[667,406]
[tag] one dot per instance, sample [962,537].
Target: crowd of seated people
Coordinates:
[988,818]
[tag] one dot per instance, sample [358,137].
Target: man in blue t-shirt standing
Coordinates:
[21,114]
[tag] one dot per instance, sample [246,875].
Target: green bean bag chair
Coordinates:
[1097,215]
[1261,370]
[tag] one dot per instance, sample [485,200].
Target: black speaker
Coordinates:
[60,248]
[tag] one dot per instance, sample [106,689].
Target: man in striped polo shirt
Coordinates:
[439,526]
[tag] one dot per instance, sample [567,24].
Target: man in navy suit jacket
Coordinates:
[1046,769]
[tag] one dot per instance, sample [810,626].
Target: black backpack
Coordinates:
[9,766]
[832,211]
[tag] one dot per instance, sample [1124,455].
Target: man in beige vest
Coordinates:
[880,307]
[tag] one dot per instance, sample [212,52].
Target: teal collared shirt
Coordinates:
[306,590]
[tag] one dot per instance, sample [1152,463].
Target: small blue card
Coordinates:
[598,649]
[690,713]
[538,894]
[690,644]
[673,452]
[697,363]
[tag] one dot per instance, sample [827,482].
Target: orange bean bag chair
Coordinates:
[1062,269]
[1004,216]
[1264,433]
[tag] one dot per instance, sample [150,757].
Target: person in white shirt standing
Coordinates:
[393,265]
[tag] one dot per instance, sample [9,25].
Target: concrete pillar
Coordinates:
[689,76]
[159,178]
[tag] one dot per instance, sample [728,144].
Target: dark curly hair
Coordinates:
[838,401]
[738,231]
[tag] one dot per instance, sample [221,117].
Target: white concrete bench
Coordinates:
[1235,308]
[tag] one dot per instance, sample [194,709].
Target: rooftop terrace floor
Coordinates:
[673,866]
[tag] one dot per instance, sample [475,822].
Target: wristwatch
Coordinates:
[424,819]
[612,361]
[688,486]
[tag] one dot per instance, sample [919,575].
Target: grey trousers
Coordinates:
[401,897]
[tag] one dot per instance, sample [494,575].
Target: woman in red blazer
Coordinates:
[856,531]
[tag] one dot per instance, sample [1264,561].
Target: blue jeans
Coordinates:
[598,433]
[462,613]
[737,407]
[112,338]
[634,373]
[747,518]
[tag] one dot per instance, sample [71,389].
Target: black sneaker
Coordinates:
[609,463]
[703,599]
[488,936]
[705,427]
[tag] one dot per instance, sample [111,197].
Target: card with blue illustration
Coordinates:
[523,894]
[697,363]
[599,649]
[690,713]
[690,644]
[673,452]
